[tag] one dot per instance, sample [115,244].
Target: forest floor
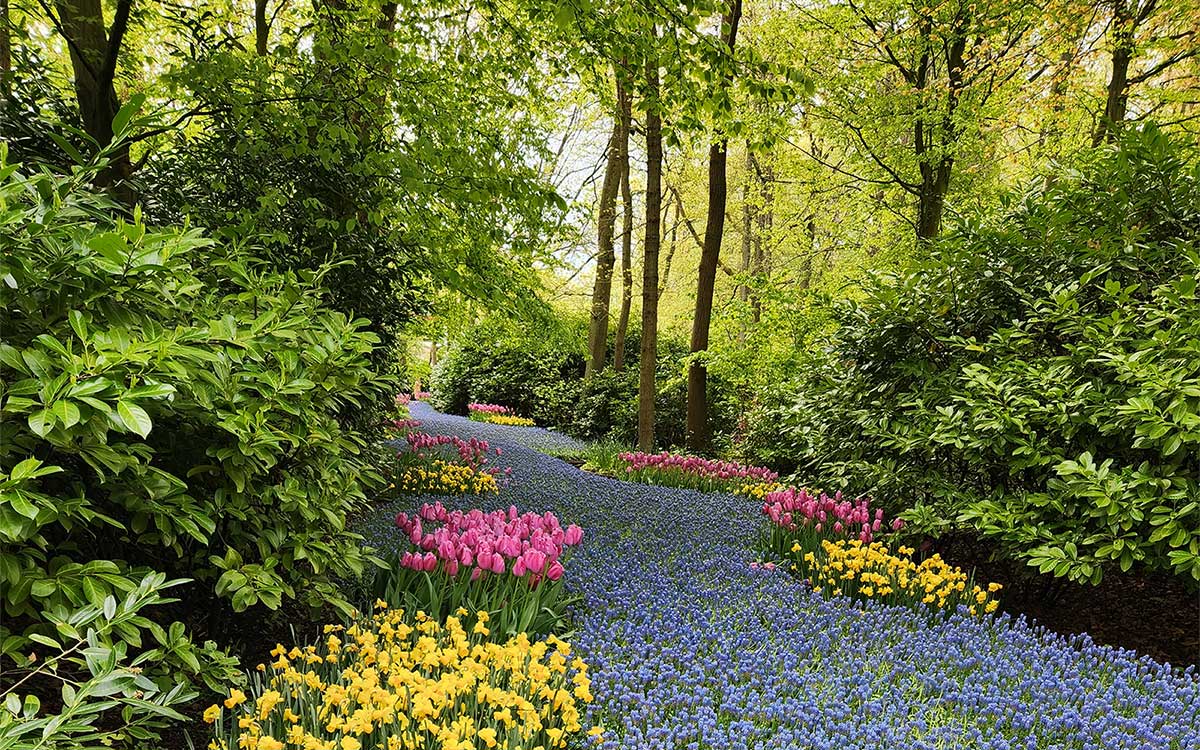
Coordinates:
[1153,614]
[692,648]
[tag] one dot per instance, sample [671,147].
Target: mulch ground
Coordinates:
[1153,614]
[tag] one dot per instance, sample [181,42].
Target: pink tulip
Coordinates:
[534,560]
[573,535]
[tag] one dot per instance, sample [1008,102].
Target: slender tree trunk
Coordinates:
[1117,98]
[714,232]
[94,53]
[672,242]
[647,387]
[5,50]
[625,102]
[936,171]
[931,203]
[605,257]
[387,18]
[261,29]
[766,218]
[747,231]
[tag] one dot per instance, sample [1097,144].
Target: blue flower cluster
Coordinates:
[691,648]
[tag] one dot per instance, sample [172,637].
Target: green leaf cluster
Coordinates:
[1036,377]
[170,407]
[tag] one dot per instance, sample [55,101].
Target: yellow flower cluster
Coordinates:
[870,571]
[397,683]
[758,490]
[508,419]
[442,477]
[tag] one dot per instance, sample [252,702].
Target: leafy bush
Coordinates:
[105,697]
[607,406]
[1036,377]
[168,406]
[535,370]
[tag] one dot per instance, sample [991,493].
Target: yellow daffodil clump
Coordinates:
[442,477]
[848,567]
[508,419]
[393,682]
[758,490]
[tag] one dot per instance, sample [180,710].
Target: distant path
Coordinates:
[691,648]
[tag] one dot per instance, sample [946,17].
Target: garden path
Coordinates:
[692,648]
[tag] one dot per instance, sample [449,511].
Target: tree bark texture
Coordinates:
[647,387]
[1116,98]
[94,51]
[625,102]
[5,50]
[714,232]
[605,256]
[261,29]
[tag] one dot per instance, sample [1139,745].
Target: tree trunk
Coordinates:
[936,172]
[94,55]
[672,242]
[649,352]
[5,50]
[714,232]
[747,232]
[260,27]
[766,218]
[605,257]
[625,102]
[1124,24]
[931,203]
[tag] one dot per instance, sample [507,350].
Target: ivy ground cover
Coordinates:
[690,647]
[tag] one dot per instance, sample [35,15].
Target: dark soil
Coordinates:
[1153,614]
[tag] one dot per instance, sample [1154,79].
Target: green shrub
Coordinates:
[535,369]
[607,406]
[1036,377]
[167,406]
[105,697]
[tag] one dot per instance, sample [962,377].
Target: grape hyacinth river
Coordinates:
[690,647]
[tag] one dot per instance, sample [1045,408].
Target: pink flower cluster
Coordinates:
[473,452]
[489,408]
[703,467]
[792,508]
[422,396]
[487,543]
[402,399]
[405,424]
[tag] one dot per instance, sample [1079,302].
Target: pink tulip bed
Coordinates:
[799,517]
[497,414]
[690,472]
[448,464]
[509,563]
[403,421]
